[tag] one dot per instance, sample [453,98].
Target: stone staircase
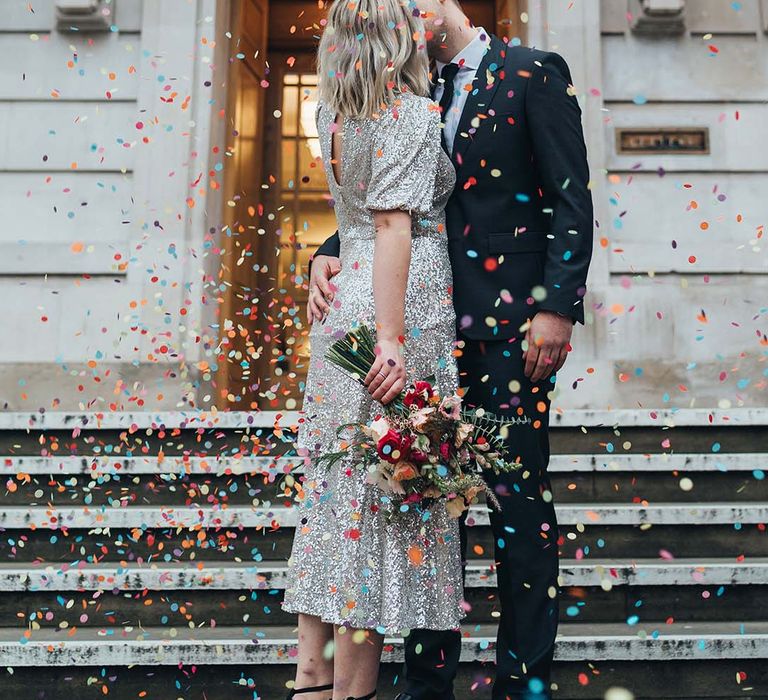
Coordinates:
[143,555]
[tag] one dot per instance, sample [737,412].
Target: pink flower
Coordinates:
[450,407]
[420,418]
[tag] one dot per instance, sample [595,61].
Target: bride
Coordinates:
[353,574]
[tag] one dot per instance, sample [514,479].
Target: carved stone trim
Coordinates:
[84,15]
[659,17]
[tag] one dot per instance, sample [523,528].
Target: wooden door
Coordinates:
[242,340]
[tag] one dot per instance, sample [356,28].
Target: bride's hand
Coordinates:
[386,378]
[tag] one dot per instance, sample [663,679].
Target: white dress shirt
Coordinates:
[468,60]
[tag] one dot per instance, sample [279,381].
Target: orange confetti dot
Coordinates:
[415,555]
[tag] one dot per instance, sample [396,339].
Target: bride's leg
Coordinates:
[312,668]
[355,662]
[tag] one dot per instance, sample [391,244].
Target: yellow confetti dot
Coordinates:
[495,172]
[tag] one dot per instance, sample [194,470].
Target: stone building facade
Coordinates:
[161,197]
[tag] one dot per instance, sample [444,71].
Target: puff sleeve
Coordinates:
[405,150]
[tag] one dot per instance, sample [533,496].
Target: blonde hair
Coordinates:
[370,51]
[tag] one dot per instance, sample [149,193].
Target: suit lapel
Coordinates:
[485,85]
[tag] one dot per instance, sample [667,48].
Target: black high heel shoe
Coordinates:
[364,697]
[313,689]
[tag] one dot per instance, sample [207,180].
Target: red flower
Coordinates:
[418,457]
[394,446]
[445,450]
[418,395]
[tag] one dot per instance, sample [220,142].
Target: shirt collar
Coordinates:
[472,54]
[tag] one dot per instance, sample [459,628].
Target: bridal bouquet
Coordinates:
[423,446]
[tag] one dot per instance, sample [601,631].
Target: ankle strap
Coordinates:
[313,689]
[364,697]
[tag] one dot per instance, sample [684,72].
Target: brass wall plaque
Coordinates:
[682,140]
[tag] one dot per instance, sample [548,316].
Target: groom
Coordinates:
[520,237]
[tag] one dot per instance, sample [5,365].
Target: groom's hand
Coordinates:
[321,289]
[548,341]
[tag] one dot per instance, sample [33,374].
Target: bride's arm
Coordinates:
[391,260]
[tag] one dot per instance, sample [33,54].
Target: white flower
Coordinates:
[378,428]
[377,478]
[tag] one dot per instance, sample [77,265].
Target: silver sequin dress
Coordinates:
[348,565]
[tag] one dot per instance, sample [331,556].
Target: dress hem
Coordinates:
[344,622]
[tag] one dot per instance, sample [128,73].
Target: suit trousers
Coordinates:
[525,538]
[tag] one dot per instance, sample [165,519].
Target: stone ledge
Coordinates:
[124,646]
[558,463]
[58,420]
[272,575]
[90,517]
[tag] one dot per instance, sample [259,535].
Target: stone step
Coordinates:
[277,465]
[122,646]
[200,419]
[172,489]
[234,594]
[261,608]
[204,516]
[271,575]
[720,679]
[245,544]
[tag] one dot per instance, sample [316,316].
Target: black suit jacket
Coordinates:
[520,218]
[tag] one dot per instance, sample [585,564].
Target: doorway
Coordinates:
[279,208]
